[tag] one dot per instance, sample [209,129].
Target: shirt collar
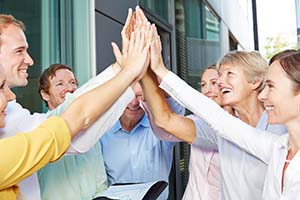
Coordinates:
[144,122]
[283,142]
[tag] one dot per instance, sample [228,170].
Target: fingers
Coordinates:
[140,37]
[131,42]
[140,14]
[149,38]
[128,19]
[126,31]
[117,53]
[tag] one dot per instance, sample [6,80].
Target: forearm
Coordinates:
[225,125]
[85,110]
[155,100]
[89,137]
[163,117]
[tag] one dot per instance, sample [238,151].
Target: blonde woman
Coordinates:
[241,80]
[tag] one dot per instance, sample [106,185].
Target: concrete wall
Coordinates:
[236,18]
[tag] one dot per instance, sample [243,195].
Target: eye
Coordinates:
[230,73]
[19,51]
[270,85]
[73,82]
[59,84]
[213,82]
[202,84]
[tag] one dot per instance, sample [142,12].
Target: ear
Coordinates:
[258,81]
[45,95]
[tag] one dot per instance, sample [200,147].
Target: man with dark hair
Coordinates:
[55,82]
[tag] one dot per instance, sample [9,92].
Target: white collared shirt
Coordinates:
[270,149]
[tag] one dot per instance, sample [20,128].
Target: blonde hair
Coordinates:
[253,64]
[6,20]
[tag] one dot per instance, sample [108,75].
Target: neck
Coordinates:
[294,135]
[128,124]
[250,110]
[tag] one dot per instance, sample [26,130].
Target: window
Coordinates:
[198,45]
[158,7]
[53,29]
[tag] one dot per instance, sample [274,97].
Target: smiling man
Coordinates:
[76,177]
[131,151]
[55,82]
[15,60]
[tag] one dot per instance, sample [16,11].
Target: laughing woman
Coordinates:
[281,98]
[241,79]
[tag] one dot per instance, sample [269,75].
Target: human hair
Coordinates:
[213,66]
[252,63]
[281,54]
[290,63]
[49,73]
[6,20]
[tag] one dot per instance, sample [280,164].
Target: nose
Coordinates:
[220,81]
[28,60]
[206,90]
[70,87]
[9,94]
[262,95]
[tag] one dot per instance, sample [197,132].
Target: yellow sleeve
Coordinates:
[25,153]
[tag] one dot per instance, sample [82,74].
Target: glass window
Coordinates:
[53,37]
[197,46]
[159,7]
[198,39]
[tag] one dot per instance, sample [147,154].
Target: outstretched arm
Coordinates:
[84,141]
[132,67]
[177,125]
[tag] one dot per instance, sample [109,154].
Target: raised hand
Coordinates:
[128,28]
[140,16]
[156,61]
[138,51]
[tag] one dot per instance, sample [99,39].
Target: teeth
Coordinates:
[225,90]
[269,108]
[133,109]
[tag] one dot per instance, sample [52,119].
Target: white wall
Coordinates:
[236,17]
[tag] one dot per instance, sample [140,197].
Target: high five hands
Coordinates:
[141,46]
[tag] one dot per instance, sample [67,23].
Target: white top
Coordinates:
[19,119]
[243,182]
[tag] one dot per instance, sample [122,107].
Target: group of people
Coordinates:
[244,131]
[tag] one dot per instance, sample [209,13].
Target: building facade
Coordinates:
[194,33]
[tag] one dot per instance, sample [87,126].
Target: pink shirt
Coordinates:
[204,168]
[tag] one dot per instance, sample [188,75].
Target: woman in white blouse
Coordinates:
[241,79]
[281,99]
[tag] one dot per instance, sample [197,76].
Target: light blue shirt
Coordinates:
[136,156]
[76,177]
